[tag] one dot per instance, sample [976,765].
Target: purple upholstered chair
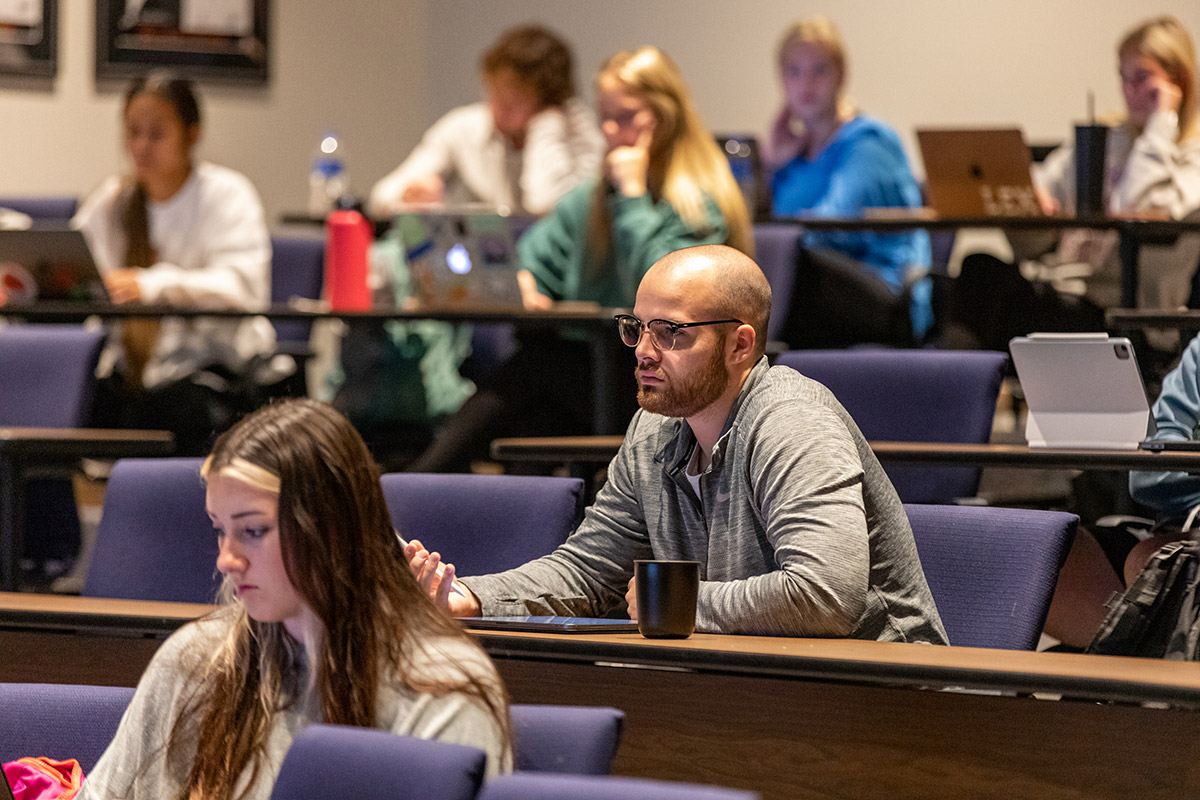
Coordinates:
[527,786]
[777,251]
[59,721]
[43,209]
[581,740]
[49,377]
[335,762]
[913,396]
[297,270]
[155,541]
[484,523]
[48,374]
[991,570]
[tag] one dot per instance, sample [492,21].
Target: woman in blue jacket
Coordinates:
[831,161]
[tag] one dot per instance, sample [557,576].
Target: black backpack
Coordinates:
[1158,616]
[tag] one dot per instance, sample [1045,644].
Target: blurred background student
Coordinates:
[831,160]
[522,149]
[664,185]
[180,232]
[319,622]
[1152,168]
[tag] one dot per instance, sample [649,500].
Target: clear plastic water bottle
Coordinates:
[328,180]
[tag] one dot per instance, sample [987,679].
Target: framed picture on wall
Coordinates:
[220,40]
[29,37]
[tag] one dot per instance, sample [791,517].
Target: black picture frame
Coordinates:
[31,49]
[133,37]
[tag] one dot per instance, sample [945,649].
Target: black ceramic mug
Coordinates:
[666,598]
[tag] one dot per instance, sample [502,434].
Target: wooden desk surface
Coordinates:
[789,718]
[577,313]
[85,442]
[601,449]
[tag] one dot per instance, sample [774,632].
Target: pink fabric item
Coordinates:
[40,778]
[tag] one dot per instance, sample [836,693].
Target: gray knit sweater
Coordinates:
[135,765]
[798,531]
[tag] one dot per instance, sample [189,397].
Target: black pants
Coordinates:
[991,302]
[544,389]
[838,302]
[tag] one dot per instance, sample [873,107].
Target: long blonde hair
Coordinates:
[1165,40]
[687,169]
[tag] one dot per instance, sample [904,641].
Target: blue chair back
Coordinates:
[43,209]
[914,396]
[992,571]
[532,786]
[297,270]
[59,721]
[581,740]
[155,541]
[484,523]
[49,375]
[777,251]
[335,762]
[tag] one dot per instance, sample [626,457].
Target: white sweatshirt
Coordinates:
[213,251]
[563,146]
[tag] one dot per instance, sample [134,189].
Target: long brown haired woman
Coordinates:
[178,231]
[320,622]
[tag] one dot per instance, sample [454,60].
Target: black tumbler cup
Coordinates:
[666,598]
[1090,144]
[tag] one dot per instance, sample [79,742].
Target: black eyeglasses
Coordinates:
[663,332]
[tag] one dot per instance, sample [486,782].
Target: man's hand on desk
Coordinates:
[631,598]
[437,579]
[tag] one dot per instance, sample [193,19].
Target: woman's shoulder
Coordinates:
[194,642]
[448,658]
[215,178]
[865,130]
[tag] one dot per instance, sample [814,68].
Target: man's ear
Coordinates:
[744,339]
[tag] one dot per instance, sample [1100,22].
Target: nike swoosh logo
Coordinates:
[722,497]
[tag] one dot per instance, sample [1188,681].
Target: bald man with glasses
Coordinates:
[755,471]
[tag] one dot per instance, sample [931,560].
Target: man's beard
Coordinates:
[682,397]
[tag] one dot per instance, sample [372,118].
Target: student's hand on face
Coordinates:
[1046,200]
[531,298]
[628,166]
[783,144]
[437,580]
[426,189]
[122,286]
[631,598]
[1166,95]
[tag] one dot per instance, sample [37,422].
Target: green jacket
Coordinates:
[555,249]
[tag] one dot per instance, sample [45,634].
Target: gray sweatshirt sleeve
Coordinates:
[589,574]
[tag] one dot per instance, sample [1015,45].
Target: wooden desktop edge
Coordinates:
[597,449]
[1096,677]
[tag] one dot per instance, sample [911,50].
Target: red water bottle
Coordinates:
[347,242]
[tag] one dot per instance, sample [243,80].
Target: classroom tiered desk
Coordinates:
[790,718]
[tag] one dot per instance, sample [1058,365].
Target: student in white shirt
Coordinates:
[529,143]
[183,233]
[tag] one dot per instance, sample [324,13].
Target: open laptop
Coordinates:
[978,172]
[1083,391]
[462,258]
[48,265]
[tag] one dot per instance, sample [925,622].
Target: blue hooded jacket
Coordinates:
[863,166]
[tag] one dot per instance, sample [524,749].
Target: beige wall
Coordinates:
[381,70]
[358,66]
